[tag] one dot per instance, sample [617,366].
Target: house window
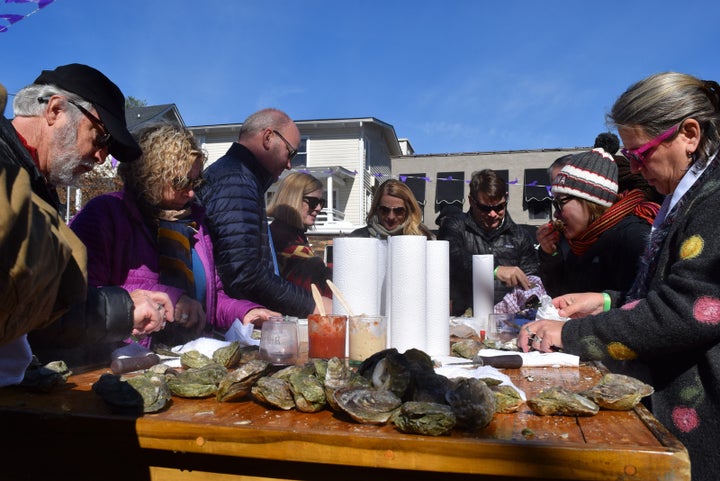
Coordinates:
[536,194]
[449,190]
[301,157]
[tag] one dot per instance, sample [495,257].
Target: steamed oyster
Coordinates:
[197,382]
[118,393]
[45,378]
[431,419]
[467,348]
[338,375]
[194,359]
[388,370]
[228,356]
[563,402]
[308,392]
[154,390]
[274,392]
[238,383]
[507,399]
[472,402]
[367,405]
[618,392]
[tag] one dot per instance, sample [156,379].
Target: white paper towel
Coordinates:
[408,271]
[355,273]
[438,298]
[483,290]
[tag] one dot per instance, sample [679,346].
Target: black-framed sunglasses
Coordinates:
[497,208]
[398,211]
[292,151]
[183,183]
[559,202]
[313,202]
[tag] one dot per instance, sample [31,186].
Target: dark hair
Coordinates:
[608,141]
[489,183]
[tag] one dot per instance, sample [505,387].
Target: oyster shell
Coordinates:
[274,391]
[507,399]
[194,359]
[45,378]
[228,356]
[308,392]
[338,375]
[388,370]
[563,402]
[197,382]
[618,392]
[472,402]
[431,419]
[239,383]
[367,405]
[118,393]
[467,348]
[154,390]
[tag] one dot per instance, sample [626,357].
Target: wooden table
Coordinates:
[73,434]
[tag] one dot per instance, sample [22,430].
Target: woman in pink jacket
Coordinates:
[152,235]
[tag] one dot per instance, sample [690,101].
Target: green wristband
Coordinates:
[607,302]
[495,272]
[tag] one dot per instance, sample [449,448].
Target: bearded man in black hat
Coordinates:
[68,120]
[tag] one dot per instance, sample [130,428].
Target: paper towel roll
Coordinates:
[408,273]
[437,329]
[483,290]
[355,273]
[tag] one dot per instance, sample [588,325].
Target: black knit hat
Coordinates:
[106,97]
[591,175]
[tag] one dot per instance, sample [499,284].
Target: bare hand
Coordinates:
[548,238]
[579,305]
[542,335]
[258,315]
[512,276]
[190,314]
[152,310]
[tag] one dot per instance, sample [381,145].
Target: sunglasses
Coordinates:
[183,183]
[385,210]
[313,202]
[560,202]
[497,208]
[640,154]
[103,140]
[292,151]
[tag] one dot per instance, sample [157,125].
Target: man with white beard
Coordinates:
[68,120]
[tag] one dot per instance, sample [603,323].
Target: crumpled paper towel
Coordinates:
[548,311]
[477,372]
[241,333]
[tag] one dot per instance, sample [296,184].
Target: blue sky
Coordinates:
[451,76]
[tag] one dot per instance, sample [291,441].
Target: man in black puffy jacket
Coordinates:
[234,196]
[487,229]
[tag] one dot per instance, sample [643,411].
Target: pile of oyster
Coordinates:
[616,392]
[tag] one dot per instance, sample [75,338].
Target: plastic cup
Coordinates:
[499,329]
[326,336]
[368,335]
[279,341]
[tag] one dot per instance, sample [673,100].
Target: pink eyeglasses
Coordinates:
[640,154]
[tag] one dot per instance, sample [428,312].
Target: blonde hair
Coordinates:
[287,203]
[395,188]
[168,152]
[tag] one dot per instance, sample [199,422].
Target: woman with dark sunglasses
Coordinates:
[668,323]
[394,211]
[153,235]
[294,207]
[606,232]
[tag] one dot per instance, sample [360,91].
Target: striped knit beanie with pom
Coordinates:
[591,175]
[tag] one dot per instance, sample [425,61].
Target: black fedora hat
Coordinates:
[109,101]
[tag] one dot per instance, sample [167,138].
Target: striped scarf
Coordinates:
[175,237]
[631,203]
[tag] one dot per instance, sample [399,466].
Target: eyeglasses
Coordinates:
[292,151]
[560,202]
[398,211]
[639,155]
[103,140]
[183,183]
[313,202]
[497,208]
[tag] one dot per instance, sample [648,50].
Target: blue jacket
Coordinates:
[234,198]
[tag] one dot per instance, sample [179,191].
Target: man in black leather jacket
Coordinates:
[487,229]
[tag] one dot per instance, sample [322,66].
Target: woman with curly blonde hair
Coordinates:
[152,235]
[394,211]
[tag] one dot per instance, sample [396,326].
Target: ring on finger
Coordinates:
[184,317]
[160,307]
[527,329]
